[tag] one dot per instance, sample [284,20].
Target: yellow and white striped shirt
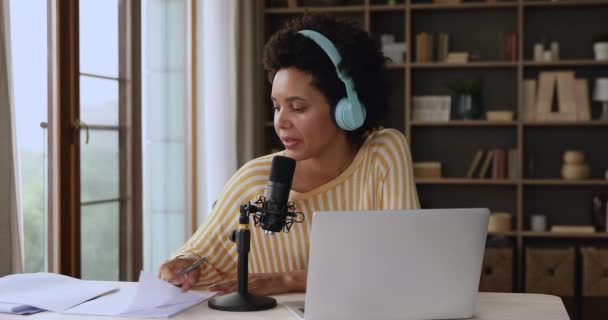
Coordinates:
[380,177]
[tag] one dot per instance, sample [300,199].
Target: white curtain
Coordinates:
[224,92]
[249,87]
[228,92]
[217,100]
[164,122]
[10,230]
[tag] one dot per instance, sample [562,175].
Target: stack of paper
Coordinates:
[48,291]
[150,297]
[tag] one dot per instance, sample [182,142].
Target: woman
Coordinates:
[336,169]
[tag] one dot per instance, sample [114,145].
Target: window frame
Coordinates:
[64,214]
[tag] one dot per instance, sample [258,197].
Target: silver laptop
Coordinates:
[402,264]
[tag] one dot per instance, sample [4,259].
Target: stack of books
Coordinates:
[572,97]
[494,163]
[432,47]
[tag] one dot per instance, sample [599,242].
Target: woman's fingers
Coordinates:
[169,269]
[264,284]
[224,287]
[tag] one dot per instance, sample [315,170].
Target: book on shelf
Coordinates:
[475,163]
[566,95]
[544,98]
[511,46]
[582,100]
[422,43]
[513,161]
[483,172]
[572,229]
[443,46]
[430,47]
[458,57]
[498,164]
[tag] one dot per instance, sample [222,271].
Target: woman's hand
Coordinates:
[168,270]
[267,283]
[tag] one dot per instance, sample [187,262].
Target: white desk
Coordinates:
[490,306]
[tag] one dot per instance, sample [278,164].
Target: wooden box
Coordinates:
[595,272]
[497,270]
[550,271]
[427,169]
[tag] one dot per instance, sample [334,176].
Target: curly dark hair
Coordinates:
[362,60]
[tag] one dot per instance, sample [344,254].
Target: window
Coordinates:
[133,152]
[29,58]
[99,217]
[100,190]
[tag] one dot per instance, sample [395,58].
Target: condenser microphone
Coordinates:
[274,214]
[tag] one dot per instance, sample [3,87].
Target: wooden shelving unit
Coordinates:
[547,234]
[463,123]
[592,123]
[464,5]
[301,10]
[537,187]
[560,182]
[481,64]
[465,182]
[567,63]
[563,3]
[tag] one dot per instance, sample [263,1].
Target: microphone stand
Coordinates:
[242,300]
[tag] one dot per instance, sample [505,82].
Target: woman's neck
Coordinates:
[315,172]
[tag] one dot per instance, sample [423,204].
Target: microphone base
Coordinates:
[242,302]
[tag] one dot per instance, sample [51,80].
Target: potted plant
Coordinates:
[466,98]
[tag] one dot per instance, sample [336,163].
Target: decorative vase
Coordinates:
[468,107]
[601,50]
[572,171]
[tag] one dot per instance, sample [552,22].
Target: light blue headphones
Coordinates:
[349,112]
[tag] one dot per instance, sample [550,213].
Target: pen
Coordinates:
[193,266]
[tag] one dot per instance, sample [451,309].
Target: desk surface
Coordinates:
[490,306]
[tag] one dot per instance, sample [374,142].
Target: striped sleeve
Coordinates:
[398,188]
[212,238]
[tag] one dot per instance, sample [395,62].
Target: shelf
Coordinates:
[548,234]
[391,66]
[465,5]
[463,123]
[590,123]
[297,10]
[466,181]
[503,234]
[561,182]
[475,64]
[564,3]
[387,7]
[566,63]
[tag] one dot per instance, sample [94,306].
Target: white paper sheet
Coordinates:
[49,291]
[150,297]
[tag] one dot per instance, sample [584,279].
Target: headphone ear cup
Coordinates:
[343,116]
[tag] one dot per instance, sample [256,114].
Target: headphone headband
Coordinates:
[350,113]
